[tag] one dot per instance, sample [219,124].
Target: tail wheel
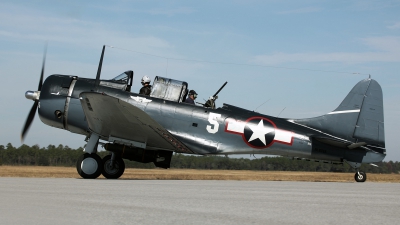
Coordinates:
[360,176]
[89,166]
[113,171]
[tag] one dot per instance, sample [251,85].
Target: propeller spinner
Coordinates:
[33,95]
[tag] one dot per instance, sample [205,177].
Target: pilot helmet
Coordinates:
[192,92]
[145,79]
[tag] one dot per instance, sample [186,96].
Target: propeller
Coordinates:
[33,95]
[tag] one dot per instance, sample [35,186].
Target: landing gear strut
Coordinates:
[90,165]
[360,176]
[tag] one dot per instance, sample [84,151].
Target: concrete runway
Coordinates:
[101,201]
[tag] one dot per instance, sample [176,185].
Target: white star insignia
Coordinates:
[259,131]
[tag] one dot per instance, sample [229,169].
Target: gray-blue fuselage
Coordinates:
[225,130]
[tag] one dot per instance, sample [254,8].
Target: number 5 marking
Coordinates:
[212,118]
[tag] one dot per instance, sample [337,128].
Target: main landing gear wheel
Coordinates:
[89,166]
[114,171]
[360,176]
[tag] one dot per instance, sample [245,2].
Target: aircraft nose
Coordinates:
[32,95]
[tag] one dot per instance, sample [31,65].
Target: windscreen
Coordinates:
[122,78]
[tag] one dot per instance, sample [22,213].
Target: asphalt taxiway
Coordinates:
[101,201]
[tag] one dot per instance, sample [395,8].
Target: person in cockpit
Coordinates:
[192,97]
[146,89]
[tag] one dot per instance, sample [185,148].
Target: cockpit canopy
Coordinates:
[163,88]
[169,89]
[122,81]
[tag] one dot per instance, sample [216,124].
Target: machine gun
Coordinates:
[210,103]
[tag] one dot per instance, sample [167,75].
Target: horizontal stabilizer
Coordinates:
[356,145]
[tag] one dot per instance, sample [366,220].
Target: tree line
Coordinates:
[64,156]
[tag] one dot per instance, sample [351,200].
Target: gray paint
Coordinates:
[163,124]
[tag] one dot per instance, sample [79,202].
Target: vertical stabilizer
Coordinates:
[359,118]
[370,124]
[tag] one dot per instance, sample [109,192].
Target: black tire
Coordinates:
[116,171]
[96,166]
[360,176]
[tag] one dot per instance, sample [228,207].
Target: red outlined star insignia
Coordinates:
[259,132]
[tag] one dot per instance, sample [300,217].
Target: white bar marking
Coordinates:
[345,111]
[235,126]
[283,136]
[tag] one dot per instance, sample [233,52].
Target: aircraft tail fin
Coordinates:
[359,118]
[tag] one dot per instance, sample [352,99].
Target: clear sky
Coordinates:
[300,56]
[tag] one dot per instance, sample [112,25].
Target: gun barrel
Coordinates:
[220,89]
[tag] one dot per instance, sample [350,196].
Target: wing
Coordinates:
[118,121]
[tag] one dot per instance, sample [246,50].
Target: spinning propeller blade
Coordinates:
[29,120]
[32,113]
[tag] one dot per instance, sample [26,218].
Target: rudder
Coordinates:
[370,123]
